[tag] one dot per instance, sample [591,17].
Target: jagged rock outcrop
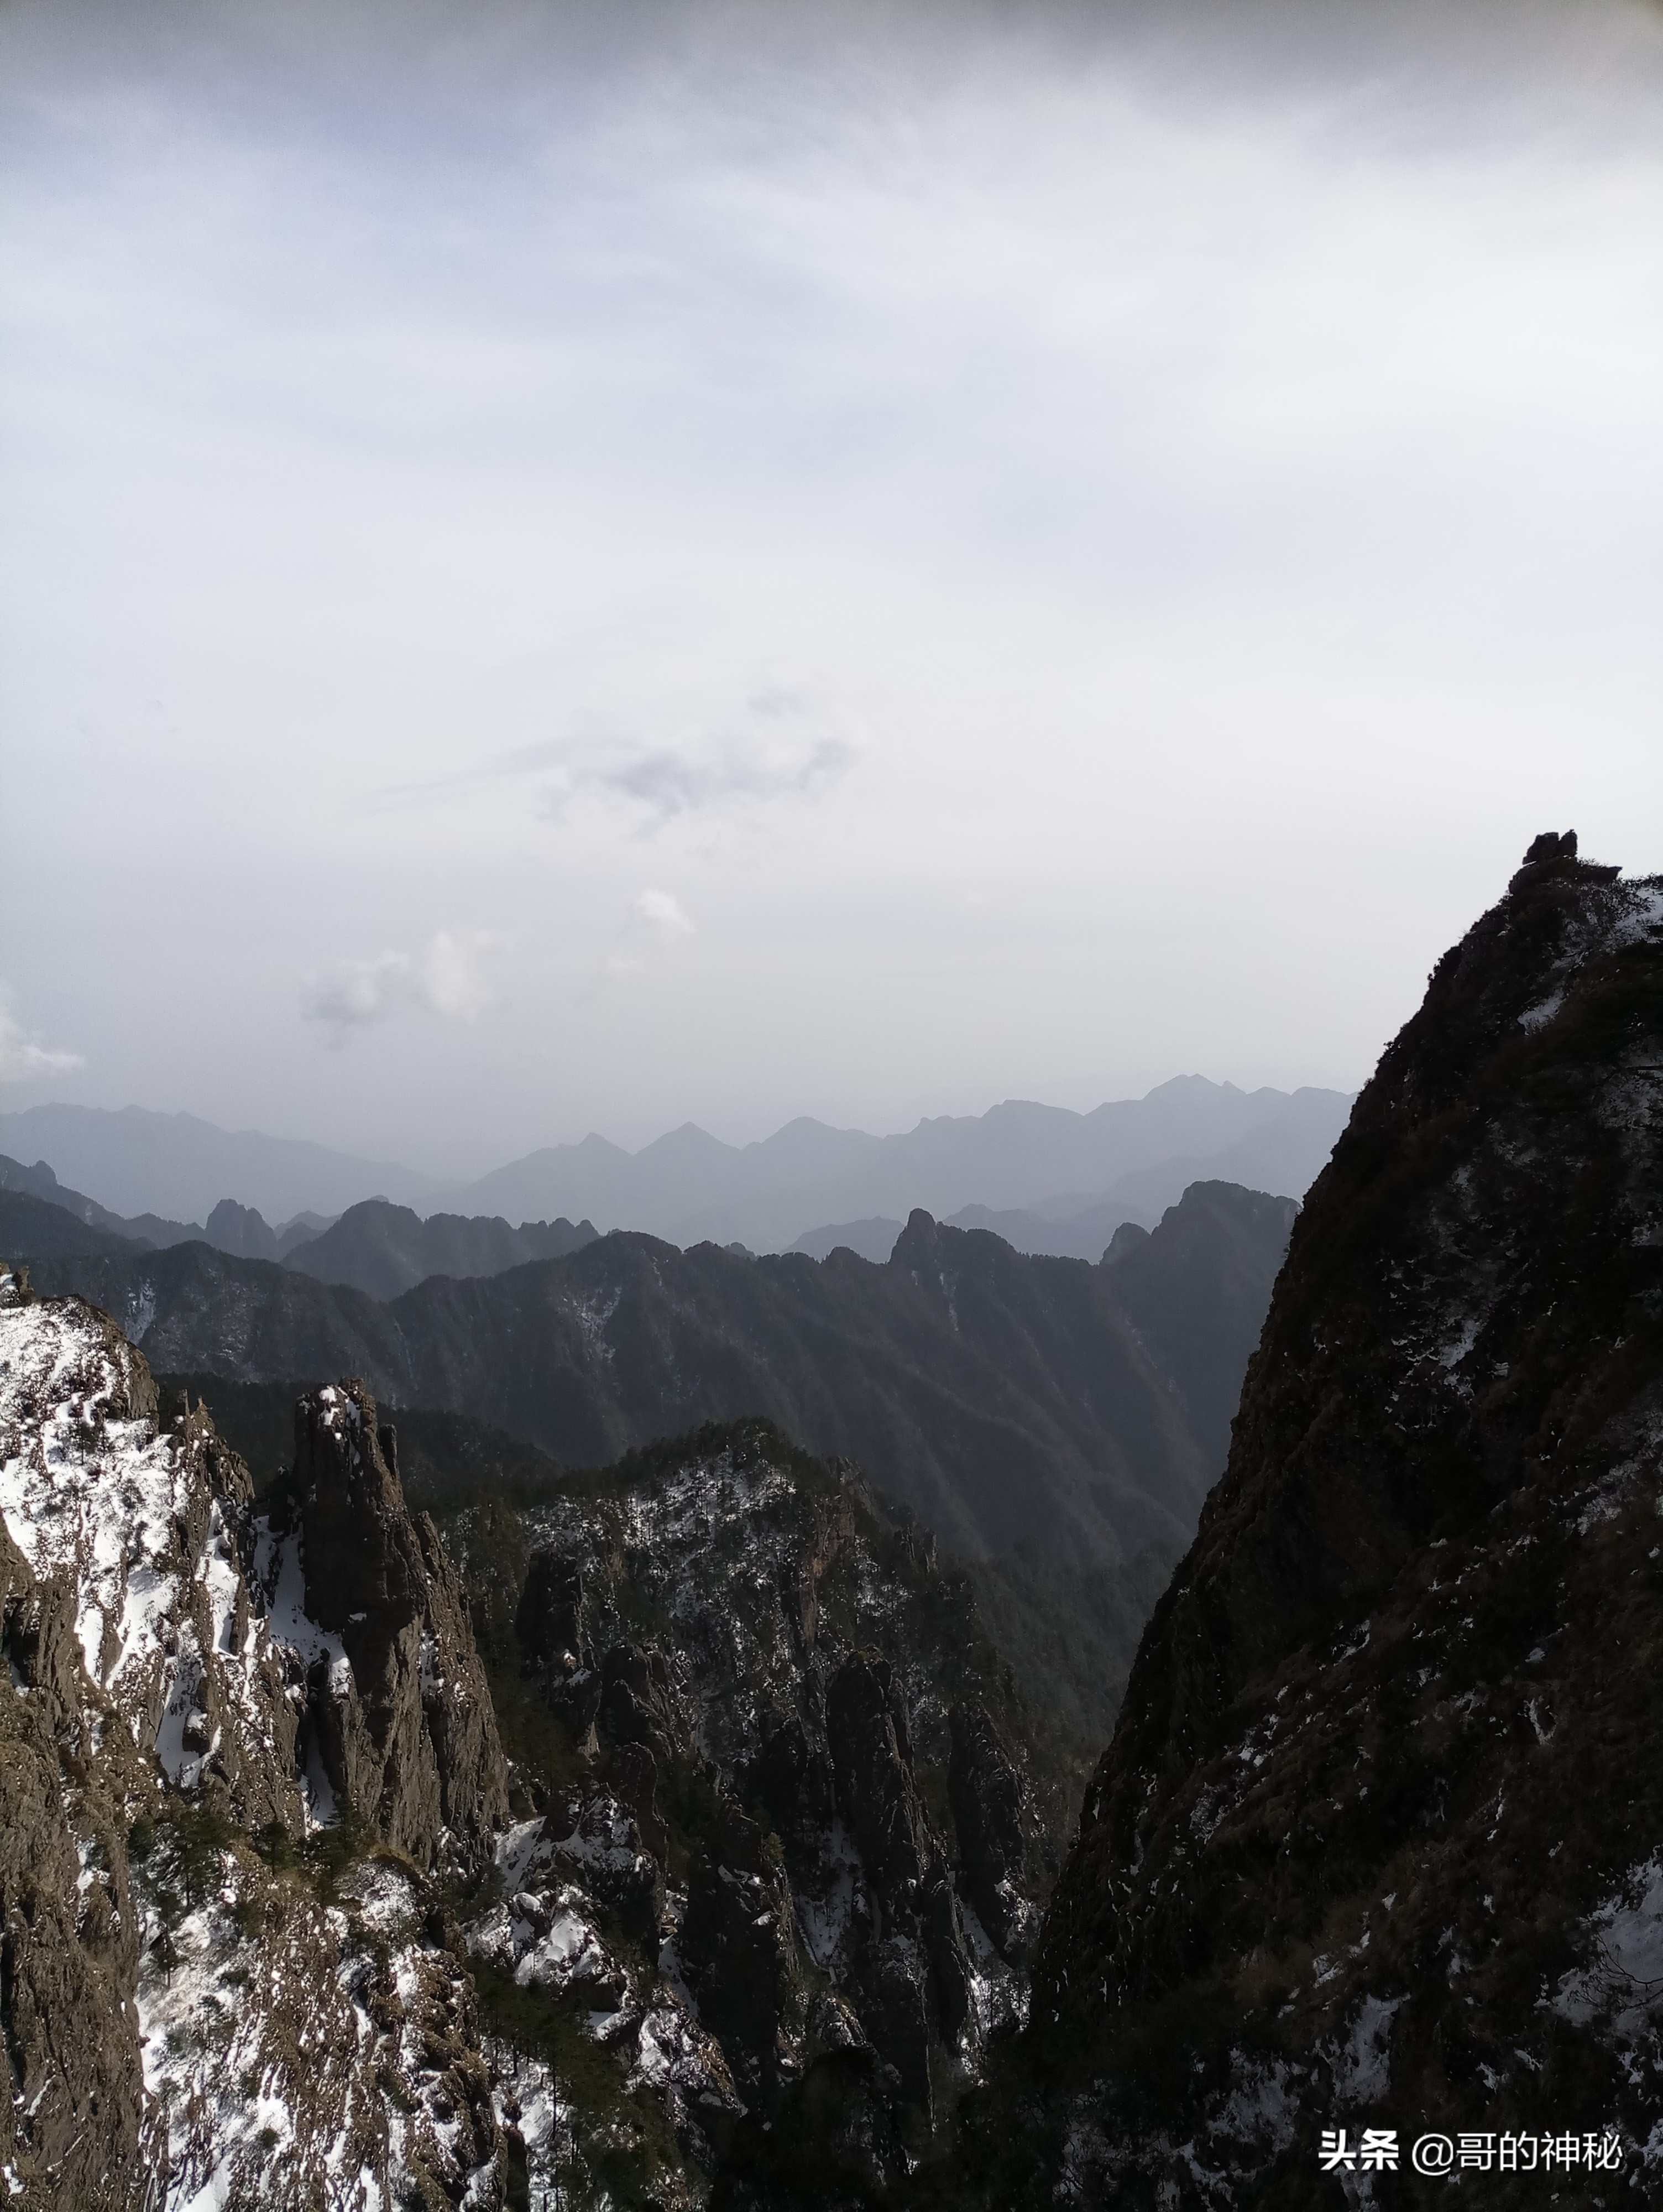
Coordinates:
[872,1758]
[405,1731]
[986,1791]
[298,2053]
[180,2012]
[1376,1842]
[70,1944]
[758,1671]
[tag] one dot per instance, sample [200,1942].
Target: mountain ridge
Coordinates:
[1055,1413]
[689,1187]
[1375,1844]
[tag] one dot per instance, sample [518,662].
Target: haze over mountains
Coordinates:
[1132,1157]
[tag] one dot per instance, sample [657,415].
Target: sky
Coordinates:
[570,567]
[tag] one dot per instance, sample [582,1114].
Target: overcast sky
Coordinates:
[567,569]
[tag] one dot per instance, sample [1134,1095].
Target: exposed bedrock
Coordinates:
[409,1737]
[1376,1843]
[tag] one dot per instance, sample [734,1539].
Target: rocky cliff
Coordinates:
[229,1746]
[1056,1424]
[1376,1842]
[784,1840]
[283,1923]
[403,1725]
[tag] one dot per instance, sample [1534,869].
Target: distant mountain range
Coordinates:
[1128,1160]
[384,1249]
[375,1247]
[1081,1410]
[40,1185]
[180,1167]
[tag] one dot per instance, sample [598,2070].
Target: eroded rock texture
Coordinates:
[757,1879]
[406,1732]
[187,2018]
[1376,1843]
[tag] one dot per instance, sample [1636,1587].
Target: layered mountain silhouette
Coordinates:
[381,1249]
[180,1166]
[1008,1400]
[1139,1155]
[1131,1158]
[41,1183]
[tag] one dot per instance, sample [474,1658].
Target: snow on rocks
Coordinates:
[686,2065]
[1623,1976]
[151,1529]
[296,2052]
[289,2037]
[545,1939]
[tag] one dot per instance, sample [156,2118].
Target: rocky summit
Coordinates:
[795,1824]
[1376,1843]
[742,1917]
[237,1744]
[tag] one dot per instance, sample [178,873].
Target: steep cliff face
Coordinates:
[405,1730]
[1376,1840]
[212,1975]
[789,1774]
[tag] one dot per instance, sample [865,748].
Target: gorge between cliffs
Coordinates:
[410,1813]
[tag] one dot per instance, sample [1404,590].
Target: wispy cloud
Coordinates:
[780,743]
[451,976]
[22,1056]
[664,912]
[656,921]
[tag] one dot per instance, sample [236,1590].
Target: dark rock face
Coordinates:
[69,1954]
[1376,1843]
[740,1946]
[986,1794]
[872,1758]
[764,1673]
[410,1740]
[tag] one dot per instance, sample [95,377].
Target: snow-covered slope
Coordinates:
[224,1986]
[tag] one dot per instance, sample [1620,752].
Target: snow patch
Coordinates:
[1625,1973]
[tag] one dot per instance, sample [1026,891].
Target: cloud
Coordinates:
[780,743]
[22,1058]
[664,912]
[656,921]
[450,977]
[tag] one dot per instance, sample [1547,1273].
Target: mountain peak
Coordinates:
[1398,1706]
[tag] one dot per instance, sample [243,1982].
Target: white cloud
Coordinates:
[456,975]
[451,977]
[1163,444]
[22,1057]
[781,742]
[664,912]
[356,994]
